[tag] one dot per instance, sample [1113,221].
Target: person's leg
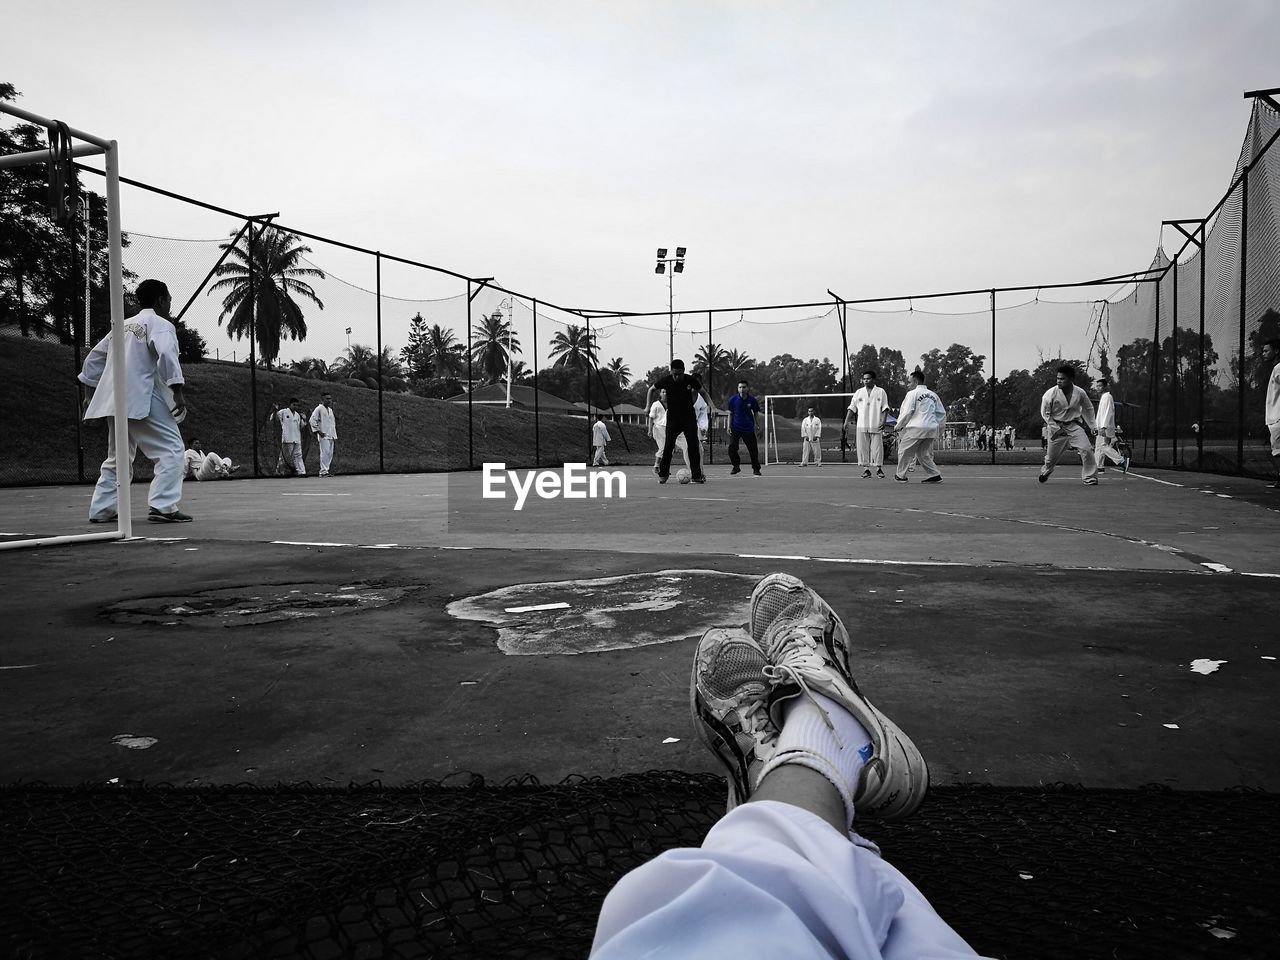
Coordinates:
[817,452]
[683,446]
[668,445]
[753,449]
[804,451]
[326,455]
[906,450]
[734,438]
[864,452]
[1053,450]
[210,468]
[1274,428]
[924,456]
[876,441]
[1078,438]
[659,440]
[299,463]
[695,451]
[104,504]
[160,441]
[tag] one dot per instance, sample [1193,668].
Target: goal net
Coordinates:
[783,413]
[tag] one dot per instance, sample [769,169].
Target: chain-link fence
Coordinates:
[431,370]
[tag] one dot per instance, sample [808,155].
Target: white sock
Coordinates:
[838,752]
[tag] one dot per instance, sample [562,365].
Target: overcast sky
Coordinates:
[876,149]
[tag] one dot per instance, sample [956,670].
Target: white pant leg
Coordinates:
[213,467]
[876,448]
[864,448]
[811,453]
[599,459]
[105,503]
[326,455]
[1105,449]
[1072,435]
[683,446]
[660,438]
[922,449]
[771,880]
[160,441]
[292,453]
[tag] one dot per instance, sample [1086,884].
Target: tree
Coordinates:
[492,338]
[310,368]
[714,357]
[445,351]
[361,363]
[574,347]
[41,263]
[620,370]
[956,375]
[739,363]
[416,354]
[277,280]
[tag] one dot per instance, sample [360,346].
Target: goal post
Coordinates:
[782,440]
[92,145]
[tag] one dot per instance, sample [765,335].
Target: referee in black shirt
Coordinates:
[682,391]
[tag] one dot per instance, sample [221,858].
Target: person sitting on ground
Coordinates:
[782,874]
[198,465]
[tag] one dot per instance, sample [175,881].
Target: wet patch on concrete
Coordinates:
[250,605]
[611,613]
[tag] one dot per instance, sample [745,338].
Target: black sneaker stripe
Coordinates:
[726,736]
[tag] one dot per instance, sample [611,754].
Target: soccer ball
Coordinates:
[684,476]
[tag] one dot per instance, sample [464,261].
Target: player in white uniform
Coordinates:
[870,405]
[782,874]
[154,404]
[1067,413]
[290,418]
[199,465]
[1106,420]
[325,426]
[599,437]
[920,421]
[1271,414]
[811,439]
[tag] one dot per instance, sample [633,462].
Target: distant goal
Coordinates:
[782,414]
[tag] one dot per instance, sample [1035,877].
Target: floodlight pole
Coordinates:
[663,261]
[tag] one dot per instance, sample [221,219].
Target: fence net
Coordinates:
[397,344]
[519,869]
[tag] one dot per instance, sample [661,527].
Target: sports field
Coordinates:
[360,629]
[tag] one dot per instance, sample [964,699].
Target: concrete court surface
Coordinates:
[1021,633]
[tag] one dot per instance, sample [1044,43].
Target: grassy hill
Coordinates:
[39,407]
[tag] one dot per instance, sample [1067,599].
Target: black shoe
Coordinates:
[699,479]
[937,479]
[901,479]
[155,516]
[110,519]
[661,478]
[736,469]
[866,474]
[1043,478]
[757,472]
[880,474]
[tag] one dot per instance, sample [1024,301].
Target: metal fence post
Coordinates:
[1244,275]
[377,260]
[537,439]
[253,363]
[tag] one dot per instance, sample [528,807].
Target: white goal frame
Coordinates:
[770,417]
[91,146]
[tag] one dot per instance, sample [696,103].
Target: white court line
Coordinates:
[21,666]
[1217,567]
[309,543]
[315,494]
[714,499]
[1245,574]
[770,556]
[885,563]
[537,606]
[1167,483]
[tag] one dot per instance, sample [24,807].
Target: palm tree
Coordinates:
[311,368]
[445,352]
[621,371]
[719,364]
[277,280]
[361,363]
[573,347]
[491,338]
[737,361]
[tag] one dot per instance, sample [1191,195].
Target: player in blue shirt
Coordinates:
[742,426]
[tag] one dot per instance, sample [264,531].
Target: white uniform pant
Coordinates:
[811,452]
[326,455]
[160,441]
[922,449]
[212,467]
[1071,435]
[599,460]
[772,880]
[1105,449]
[291,454]
[870,448]
[660,438]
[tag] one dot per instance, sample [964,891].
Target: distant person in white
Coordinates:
[599,437]
[199,465]
[920,421]
[154,404]
[290,418]
[1271,356]
[325,427]
[1106,420]
[870,405]
[658,430]
[811,439]
[1067,413]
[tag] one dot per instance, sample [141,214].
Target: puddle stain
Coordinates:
[609,613]
[237,606]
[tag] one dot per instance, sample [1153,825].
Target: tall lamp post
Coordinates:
[677,266]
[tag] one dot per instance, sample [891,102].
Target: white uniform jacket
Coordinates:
[870,407]
[811,428]
[290,425]
[1273,397]
[323,421]
[1057,410]
[150,363]
[599,433]
[921,415]
[1107,414]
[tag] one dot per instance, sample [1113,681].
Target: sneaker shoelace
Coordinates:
[799,663]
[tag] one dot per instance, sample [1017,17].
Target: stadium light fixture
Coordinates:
[677,266]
